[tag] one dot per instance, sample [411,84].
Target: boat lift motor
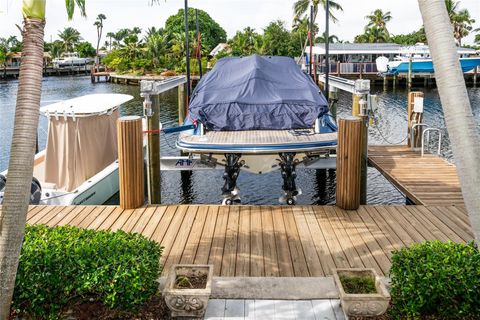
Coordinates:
[35,190]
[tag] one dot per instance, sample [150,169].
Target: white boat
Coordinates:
[421,61]
[79,164]
[70,59]
[258,114]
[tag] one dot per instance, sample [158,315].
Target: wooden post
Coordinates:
[385,83]
[130,162]
[412,116]
[364,161]
[356,104]
[181,103]
[338,69]
[153,153]
[394,82]
[349,157]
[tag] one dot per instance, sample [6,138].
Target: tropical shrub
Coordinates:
[62,265]
[436,279]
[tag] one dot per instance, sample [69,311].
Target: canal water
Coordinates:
[318,186]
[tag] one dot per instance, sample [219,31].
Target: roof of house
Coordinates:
[375,48]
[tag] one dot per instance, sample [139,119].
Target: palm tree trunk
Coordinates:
[456,105]
[20,169]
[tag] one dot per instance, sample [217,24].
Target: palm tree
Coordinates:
[70,37]
[331,39]
[301,8]
[373,35]
[99,24]
[460,19]
[110,35]
[462,25]
[20,168]
[156,45]
[378,18]
[459,120]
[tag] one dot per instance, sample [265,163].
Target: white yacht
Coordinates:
[79,164]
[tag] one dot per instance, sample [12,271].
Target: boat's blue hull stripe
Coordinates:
[427,66]
[255,148]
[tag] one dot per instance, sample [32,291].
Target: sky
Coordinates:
[232,15]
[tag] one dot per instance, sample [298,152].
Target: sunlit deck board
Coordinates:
[427,180]
[260,241]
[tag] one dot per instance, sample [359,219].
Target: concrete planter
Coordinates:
[365,305]
[190,303]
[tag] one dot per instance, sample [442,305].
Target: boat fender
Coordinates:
[3,182]
[35,191]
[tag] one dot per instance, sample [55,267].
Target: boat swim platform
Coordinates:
[428,180]
[272,241]
[258,141]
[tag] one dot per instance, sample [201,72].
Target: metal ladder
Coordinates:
[426,134]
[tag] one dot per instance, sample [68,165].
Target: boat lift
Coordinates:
[193,162]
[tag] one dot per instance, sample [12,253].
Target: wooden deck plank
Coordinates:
[231,239]
[285,263]
[300,266]
[91,217]
[203,251]
[273,241]
[366,236]
[347,246]
[167,233]
[334,246]
[243,254]
[218,243]
[357,241]
[32,211]
[257,266]
[321,246]
[144,219]
[311,256]
[188,255]
[181,239]
[381,237]
[270,257]
[427,180]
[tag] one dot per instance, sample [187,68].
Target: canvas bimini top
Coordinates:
[256,93]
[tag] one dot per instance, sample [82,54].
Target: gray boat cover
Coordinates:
[256,93]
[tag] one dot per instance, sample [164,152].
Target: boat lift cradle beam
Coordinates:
[360,86]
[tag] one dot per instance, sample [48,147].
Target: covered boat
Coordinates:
[258,114]
[257,93]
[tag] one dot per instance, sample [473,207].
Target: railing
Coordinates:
[350,68]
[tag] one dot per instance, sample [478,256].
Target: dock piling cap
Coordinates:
[129,118]
[87,105]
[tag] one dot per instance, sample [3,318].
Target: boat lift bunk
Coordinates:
[259,114]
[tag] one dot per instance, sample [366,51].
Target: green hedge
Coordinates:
[67,264]
[436,279]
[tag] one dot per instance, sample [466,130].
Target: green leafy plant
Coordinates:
[436,279]
[358,284]
[67,264]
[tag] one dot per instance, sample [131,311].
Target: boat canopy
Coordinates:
[80,146]
[86,105]
[256,93]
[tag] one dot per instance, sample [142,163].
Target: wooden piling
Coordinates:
[414,117]
[130,162]
[349,157]
[153,154]
[181,104]
[356,104]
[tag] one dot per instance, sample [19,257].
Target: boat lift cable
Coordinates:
[376,121]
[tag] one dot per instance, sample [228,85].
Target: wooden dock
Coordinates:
[428,180]
[272,241]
